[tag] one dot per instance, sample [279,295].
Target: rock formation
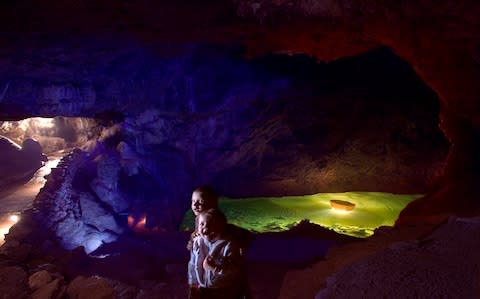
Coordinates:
[19,163]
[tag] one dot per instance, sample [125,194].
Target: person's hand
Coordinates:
[193,235]
[208,264]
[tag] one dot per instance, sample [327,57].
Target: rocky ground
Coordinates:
[33,263]
[401,260]
[444,264]
[144,267]
[418,261]
[422,261]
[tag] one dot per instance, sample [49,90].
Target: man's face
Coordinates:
[207,228]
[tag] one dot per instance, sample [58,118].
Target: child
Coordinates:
[214,269]
[205,198]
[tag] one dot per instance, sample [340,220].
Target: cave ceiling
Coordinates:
[439,39]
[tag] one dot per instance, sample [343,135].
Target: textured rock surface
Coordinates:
[90,287]
[39,279]
[51,290]
[13,282]
[445,264]
[72,214]
[135,268]
[105,185]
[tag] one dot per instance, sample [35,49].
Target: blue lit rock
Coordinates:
[73,216]
[93,214]
[130,161]
[105,185]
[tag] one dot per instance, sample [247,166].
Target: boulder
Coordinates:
[13,283]
[39,279]
[95,215]
[49,290]
[92,287]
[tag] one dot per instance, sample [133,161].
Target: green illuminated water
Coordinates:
[269,214]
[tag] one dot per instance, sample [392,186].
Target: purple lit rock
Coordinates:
[74,216]
[105,185]
[93,214]
[130,161]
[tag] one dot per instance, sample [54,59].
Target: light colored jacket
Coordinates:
[226,257]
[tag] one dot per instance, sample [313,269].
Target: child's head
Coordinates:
[211,224]
[204,198]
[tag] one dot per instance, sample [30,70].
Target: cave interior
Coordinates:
[107,125]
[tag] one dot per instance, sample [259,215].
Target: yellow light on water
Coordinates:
[358,213]
[340,212]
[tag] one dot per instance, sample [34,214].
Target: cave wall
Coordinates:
[84,68]
[439,39]
[274,125]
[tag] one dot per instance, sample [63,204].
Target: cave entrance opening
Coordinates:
[31,148]
[54,134]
